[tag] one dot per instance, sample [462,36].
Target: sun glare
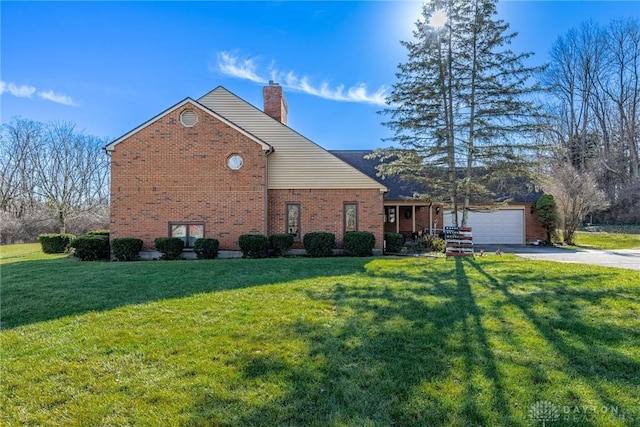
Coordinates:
[438,19]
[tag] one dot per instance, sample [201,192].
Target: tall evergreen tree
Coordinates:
[460,109]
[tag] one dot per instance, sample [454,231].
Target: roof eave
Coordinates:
[265,146]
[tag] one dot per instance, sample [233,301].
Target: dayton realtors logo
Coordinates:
[544,412]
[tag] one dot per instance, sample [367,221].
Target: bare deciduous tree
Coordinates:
[71,171]
[595,79]
[576,194]
[50,174]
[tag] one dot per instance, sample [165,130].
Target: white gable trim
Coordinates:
[266,147]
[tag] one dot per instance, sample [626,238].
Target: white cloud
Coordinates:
[25,91]
[246,68]
[237,67]
[50,95]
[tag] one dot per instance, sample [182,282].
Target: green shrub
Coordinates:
[319,243]
[394,242]
[547,213]
[206,248]
[126,248]
[435,244]
[91,247]
[429,243]
[280,243]
[170,247]
[359,243]
[254,245]
[98,233]
[55,243]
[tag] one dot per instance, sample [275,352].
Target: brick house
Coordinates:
[218,167]
[513,223]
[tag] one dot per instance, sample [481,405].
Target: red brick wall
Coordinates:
[533,229]
[322,210]
[168,172]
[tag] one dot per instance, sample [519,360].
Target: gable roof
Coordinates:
[297,162]
[264,145]
[402,189]
[398,189]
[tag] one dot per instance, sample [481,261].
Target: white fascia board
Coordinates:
[266,147]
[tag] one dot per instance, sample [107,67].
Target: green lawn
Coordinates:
[603,240]
[318,342]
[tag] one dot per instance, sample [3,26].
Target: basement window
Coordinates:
[187,231]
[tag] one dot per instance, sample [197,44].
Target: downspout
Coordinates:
[266,190]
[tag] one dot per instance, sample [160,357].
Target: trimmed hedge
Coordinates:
[170,247]
[55,243]
[254,245]
[395,241]
[319,243]
[91,247]
[359,243]
[206,248]
[280,243]
[98,233]
[126,248]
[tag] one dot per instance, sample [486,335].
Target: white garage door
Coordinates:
[504,226]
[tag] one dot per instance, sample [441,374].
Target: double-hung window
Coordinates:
[389,214]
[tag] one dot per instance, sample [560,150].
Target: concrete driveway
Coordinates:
[621,258]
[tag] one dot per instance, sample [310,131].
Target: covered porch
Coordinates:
[413,218]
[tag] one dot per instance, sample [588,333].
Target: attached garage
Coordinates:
[504,226]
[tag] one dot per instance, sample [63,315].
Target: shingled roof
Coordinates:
[399,189]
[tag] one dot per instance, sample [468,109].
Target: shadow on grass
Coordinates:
[584,347]
[42,290]
[417,354]
[398,355]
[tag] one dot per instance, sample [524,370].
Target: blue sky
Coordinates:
[110,66]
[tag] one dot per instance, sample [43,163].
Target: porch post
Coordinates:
[413,218]
[431,218]
[397,218]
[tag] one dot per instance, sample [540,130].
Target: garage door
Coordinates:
[504,226]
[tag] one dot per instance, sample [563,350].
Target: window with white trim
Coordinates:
[187,231]
[293,220]
[350,217]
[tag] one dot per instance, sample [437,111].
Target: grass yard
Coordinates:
[603,240]
[492,341]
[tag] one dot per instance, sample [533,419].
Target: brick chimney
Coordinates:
[274,103]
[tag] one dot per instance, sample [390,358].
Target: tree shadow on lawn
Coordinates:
[43,290]
[409,348]
[584,347]
[414,354]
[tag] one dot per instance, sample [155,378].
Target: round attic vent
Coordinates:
[188,118]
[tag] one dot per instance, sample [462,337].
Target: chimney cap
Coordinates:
[272,83]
